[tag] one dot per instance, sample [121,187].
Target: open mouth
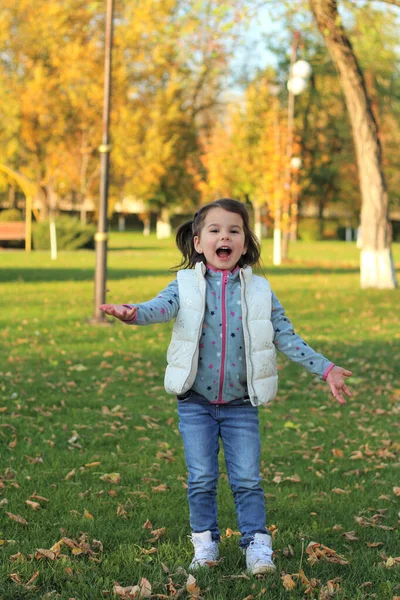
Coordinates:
[224,252]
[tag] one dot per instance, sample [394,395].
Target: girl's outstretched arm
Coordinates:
[336,382]
[122,312]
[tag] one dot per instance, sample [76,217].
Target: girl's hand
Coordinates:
[337,384]
[120,311]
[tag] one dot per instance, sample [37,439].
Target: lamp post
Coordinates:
[274,90]
[295,164]
[299,73]
[101,236]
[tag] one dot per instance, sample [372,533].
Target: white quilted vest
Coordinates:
[183,351]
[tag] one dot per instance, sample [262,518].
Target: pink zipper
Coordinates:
[222,373]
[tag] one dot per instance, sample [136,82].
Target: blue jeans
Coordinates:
[201,426]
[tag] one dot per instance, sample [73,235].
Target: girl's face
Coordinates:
[221,239]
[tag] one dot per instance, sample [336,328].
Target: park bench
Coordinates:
[13,230]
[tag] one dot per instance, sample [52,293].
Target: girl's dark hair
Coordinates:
[190,229]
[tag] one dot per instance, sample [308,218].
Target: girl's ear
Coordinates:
[197,245]
[244,250]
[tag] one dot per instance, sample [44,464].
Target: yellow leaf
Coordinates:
[288,582]
[87,514]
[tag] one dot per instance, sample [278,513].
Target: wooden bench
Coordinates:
[13,230]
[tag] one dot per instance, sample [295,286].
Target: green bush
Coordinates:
[10,215]
[309,230]
[71,234]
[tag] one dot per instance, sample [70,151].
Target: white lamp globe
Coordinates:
[301,68]
[295,163]
[296,85]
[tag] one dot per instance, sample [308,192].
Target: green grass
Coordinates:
[73,394]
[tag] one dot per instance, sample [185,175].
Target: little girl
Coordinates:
[222,366]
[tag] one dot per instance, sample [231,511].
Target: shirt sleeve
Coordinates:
[292,345]
[161,309]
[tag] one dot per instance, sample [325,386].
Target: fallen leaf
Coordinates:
[87,514]
[17,518]
[160,488]
[396,490]
[350,536]
[288,582]
[192,587]
[42,553]
[70,474]
[229,532]
[33,505]
[111,477]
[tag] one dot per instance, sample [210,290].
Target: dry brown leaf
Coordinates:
[35,496]
[70,474]
[93,464]
[374,544]
[16,578]
[147,525]
[288,582]
[350,536]
[32,579]
[42,553]
[18,556]
[337,453]
[294,479]
[317,551]
[340,491]
[396,490]
[192,587]
[157,534]
[160,488]
[129,591]
[17,518]
[356,455]
[33,505]
[111,477]
[149,551]
[229,532]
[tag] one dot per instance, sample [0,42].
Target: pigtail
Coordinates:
[184,242]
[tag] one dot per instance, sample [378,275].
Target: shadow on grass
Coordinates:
[40,275]
[51,274]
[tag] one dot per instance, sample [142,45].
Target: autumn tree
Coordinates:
[241,157]
[377,269]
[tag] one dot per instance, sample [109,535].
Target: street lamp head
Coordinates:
[295,163]
[296,85]
[301,68]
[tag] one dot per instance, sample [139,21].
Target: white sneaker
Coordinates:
[259,555]
[205,549]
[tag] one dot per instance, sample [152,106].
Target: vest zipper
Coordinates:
[249,364]
[223,349]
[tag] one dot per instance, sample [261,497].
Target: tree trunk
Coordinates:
[163,227]
[377,269]
[257,221]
